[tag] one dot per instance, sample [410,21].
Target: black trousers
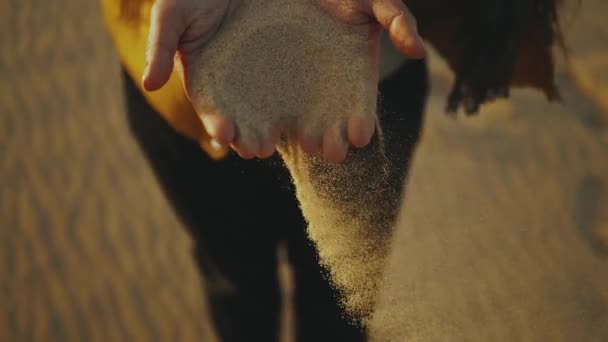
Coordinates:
[238,211]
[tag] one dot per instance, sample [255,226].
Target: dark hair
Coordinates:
[492,45]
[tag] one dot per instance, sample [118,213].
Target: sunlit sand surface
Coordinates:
[504,221]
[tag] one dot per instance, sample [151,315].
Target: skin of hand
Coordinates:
[179,27]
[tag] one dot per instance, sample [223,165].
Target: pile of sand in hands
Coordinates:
[287,68]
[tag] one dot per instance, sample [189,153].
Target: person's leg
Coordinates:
[402,100]
[225,206]
[318,313]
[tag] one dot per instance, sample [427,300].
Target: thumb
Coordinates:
[166,28]
[397,19]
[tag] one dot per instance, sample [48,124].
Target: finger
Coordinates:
[397,19]
[165,31]
[219,128]
[335,147]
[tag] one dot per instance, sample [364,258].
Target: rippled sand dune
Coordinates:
[508,207]
[89,249]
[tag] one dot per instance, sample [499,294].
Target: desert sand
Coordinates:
[81,248]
